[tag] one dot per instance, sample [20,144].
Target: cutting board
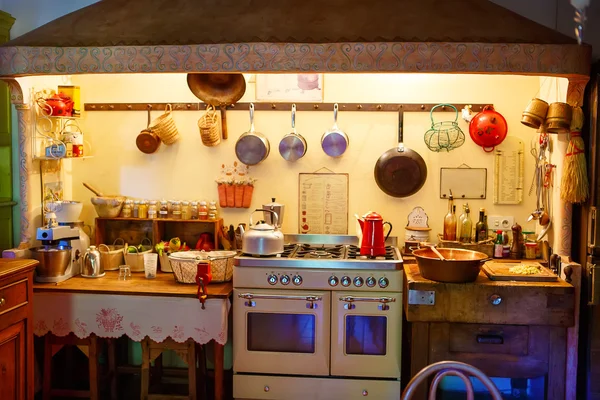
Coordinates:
[499,271]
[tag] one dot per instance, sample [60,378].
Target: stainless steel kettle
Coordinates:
[278,209]
[262,239]
[92,267]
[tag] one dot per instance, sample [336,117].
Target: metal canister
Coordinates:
[92,267]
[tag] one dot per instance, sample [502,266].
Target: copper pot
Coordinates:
[147,141]
[459,266]
[535,113]
[558,119]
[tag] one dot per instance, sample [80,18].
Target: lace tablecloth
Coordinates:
[112,315]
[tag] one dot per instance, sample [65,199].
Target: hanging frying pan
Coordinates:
[400,172]
[335,141]
[252,147]
[293,146]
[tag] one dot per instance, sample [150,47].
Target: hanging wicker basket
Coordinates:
[164,127]
[209,127]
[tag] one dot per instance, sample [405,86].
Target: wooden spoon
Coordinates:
[437,253]
[93,190]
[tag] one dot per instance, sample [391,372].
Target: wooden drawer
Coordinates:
[13,295]
[489,339]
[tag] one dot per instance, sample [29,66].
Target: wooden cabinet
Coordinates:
[134,230]
[16,329]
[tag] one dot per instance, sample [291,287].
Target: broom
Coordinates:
[574,185]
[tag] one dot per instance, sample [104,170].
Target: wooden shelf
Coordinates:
[206,221]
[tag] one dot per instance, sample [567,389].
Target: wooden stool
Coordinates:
[151,350]
[52,345]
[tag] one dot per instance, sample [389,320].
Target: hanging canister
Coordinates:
[558,119]
[535,113]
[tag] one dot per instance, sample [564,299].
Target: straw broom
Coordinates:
[574,185]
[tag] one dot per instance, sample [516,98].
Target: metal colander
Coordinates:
[445,135]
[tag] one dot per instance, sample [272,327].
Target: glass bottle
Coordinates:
[136,209]
[152,210]
[498,245]
[176,210]
[481,227]
[143,211]
[203,211]
[213,213]
[126,211]
[450,221]
[466,225]
[185,210]
[163,211]
[194,210]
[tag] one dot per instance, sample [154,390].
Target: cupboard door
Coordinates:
[12,362]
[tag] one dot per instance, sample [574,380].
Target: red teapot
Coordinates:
[373,240]
[59,105]
[203,278]
[488,128]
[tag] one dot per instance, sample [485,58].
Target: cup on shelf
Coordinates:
[150,262]
[124,272]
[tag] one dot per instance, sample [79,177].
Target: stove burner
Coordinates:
[288,249]
[354,253]
[320,252]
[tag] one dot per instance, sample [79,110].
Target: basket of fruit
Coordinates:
[164,249]
[134,255]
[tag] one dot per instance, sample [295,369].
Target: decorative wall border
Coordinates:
[416,57]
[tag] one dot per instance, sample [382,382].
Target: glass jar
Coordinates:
[143,212]
[170,208]
[152,210]
[203,211]
[194,210]
[530,250]
[213,213]
[176,210]
[127,209]
[163,211]
[136,209]
[185,210]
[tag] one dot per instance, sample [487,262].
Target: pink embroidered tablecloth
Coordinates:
[112,315]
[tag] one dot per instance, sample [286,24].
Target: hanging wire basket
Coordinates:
[445,135]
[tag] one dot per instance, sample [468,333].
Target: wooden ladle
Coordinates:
[437,253]
[93,189]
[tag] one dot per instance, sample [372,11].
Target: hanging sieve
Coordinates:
[444,135]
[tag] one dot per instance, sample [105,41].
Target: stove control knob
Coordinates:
[333,280]
[272,279]
[358,281]
[297,280]
[346,281]
[285,280]
[383,283]
[371,281]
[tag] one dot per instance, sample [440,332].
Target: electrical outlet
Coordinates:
[504,223]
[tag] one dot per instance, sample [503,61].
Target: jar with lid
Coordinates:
[152,210]
[185,210]
[170,208]
[203,211]
[127,209]
[213,213]
[530,250]
[194,210]
[163,211]
[143,212]
[136,209]
[176,210]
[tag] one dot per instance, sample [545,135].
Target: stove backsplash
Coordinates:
[331,239]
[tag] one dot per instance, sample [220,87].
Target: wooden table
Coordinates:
[86,309]
[505,328]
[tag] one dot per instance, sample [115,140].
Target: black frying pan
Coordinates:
[400,172]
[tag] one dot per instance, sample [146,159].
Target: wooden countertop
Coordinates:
[9,266]
[163,285]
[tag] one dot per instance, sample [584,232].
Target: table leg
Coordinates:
[219,365]
[93,364]
[112,367]
[145,369]
[47,369]
[192,372]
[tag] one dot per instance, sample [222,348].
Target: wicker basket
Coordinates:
[184,265]
[164,127]
[221,265]
[136,260]
[486,247]
[209,127]
[111,256]
[165,264]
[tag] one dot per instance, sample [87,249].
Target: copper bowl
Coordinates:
[460,265]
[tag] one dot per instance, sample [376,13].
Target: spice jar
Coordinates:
[176,210]
[203,211]
[163,211]
[127,209]
[213,213]
[152,210]
[143,212]
[194,210]
[185,210]
[136,209]
[530,250]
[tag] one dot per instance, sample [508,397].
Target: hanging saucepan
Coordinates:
[147,141]
[400,172]
[218,90]
[335,141]
[293,146]
[488,128]
[252,147]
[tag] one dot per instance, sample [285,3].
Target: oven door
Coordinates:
[366,334]
[281,331]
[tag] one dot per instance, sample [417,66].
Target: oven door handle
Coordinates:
[349,300]
[310,299]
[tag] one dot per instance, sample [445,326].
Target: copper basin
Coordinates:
[460,265]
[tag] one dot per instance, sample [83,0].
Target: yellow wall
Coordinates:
[188,170]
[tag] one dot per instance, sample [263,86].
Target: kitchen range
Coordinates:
[318,321]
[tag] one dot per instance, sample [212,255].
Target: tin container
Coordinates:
[559,118]
[535,113]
